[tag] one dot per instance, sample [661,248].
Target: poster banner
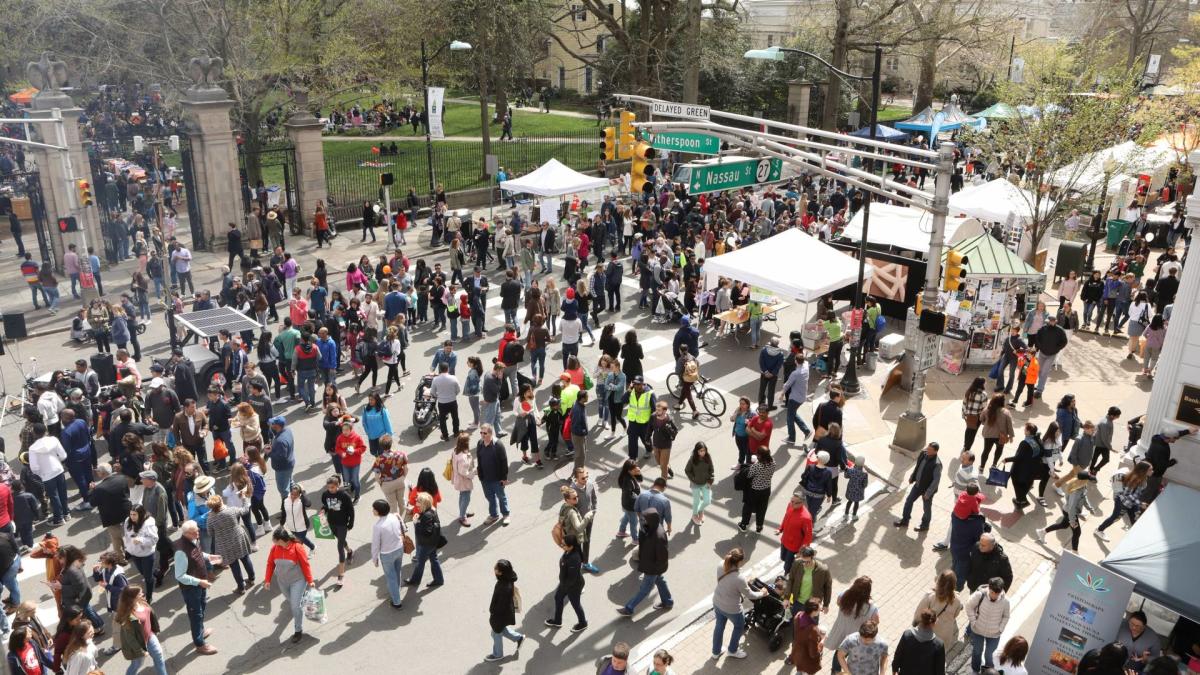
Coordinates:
[436,95]
[760,294]
[1083,612]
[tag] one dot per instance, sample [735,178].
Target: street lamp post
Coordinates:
[1098,219]
[455,46]
[850,383]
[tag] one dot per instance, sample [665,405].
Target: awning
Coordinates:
[553,179]
[989,259]
[995,201]
[23,97]
[1129,159]
[882,133]
[793,264]
[999,111]
[899,226]
[1161,552]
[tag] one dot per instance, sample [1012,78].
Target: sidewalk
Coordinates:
[900,561]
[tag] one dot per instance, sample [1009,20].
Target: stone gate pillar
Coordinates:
[799,97]
[214,151]
[304,130]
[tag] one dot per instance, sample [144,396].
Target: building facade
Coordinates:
[584,34]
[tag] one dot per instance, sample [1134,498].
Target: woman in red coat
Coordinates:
[349,447]
[796,530]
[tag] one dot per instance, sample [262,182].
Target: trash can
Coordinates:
[1116,231]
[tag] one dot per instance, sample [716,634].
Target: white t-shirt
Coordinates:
[570,331]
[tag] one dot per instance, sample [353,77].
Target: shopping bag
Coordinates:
[994,373]
[320,528]
[171,440]
[314,605]
[220,451]
[997,477]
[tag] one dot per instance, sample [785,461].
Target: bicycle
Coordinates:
[711,400]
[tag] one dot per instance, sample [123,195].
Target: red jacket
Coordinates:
[349,448]
[294,552]
[509,336]
[6,505]
[797,528]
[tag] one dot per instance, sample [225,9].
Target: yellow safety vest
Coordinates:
[639,407]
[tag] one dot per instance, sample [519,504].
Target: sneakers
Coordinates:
[941,547]
[662,608]
[491,520]
[739,654]
[591,568]
[1060,492]
[579,627]
[552,623]
[493,657]
[504,521]
[1101,535]
[1040,535]
[297,636]
[624,612]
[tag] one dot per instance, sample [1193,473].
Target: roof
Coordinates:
[772,264]
[1161,552]
[882,133]
[999,111]
[996,200]
[553,179]
[900,226]
[988,258]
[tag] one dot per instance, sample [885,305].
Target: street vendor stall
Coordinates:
[976,318]
[551,181]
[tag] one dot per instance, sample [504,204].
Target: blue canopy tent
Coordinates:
[882,133]
[947,119]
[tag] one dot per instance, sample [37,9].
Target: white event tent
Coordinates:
[995,202]
[1129,160]
[793,264]
[552,180]
[900,226]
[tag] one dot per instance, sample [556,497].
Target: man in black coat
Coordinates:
[510,299]
[924,482]
[988,560]
[184,375]
[110,496]
[652,563]
[1050,340]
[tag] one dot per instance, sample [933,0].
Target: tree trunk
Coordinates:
[691,74]
[927,79]
[833,92]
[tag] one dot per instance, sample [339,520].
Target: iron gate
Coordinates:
[273,169]
[21,192]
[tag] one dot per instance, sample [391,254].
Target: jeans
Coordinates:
[786,557]
[422,554]
[51,293]
[1007,364]
[498,640]
[283,479]
[1121,314]
[392,563]
[454,329]
[961,564]
[913,495]
[493,490]
[560,599]
[35,290]
[537,363]
[236,567]
[1118,509]
[569,350]
[651,581]
[350,473]
[56,489]
[755,327]
[546,260]
[491,415]
[1088,308]
[794,420]
[510,317]
[75,284]
[982,648]
[154,648]
[9,580]
[145,566]
[739,626]
[1047,361]
[814,505]
[464,501]
[701,498]
[295,597]
[629,518]
[195,599]
[308,382]
[81,474]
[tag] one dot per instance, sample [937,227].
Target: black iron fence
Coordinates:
[352,169]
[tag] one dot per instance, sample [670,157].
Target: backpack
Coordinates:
[556,532]
[362,351]
[691,371]
[514,353]
[384,348]
[741,479]
[880,323]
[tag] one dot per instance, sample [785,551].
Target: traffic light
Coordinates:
[85,192]
[628,136]
[953,272]
[68,224]
[608,143]
[386,179]
[641,169]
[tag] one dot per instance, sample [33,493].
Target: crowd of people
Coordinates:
[186,486]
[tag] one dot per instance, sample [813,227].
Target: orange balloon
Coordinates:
[387,269]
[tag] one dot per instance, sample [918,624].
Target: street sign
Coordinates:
[927,351]
[676,141]
[690,110]
[730,175]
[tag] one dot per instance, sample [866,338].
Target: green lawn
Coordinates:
[894,113]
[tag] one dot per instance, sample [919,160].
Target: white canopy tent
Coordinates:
[793,264]
[554,179]
[995,202]
[900,226]
[1129,159]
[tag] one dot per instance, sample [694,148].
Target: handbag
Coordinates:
[409,546]
[442,541]
[220,451]
[994,373]
[997,477]
[448,472]
[321,529]
[517,602]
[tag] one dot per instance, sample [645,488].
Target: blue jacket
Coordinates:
[441,357]
[652,499]
[283,452]
[1111,288]
[120,330]
[329,352]
[376,422]
[394,304]
[1068,423]
[687,335]
[964,533]
[77,442]
[770,359]
[579,425]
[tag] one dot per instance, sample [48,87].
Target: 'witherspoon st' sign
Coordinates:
[698,144]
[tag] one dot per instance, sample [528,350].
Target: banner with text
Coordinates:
[436,96]
[1083,611]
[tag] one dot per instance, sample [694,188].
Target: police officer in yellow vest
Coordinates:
[640,403]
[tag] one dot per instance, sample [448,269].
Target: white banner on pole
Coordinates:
[436,95]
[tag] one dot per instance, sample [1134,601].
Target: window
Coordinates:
[587,79]
[600,44]
[893,63]
[579,12]
[609,7]
[770,40]
[562,77]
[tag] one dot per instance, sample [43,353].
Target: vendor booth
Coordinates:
[997,285]
[551,181]
[790,266]
[997,201]
[931,123]
[900,226]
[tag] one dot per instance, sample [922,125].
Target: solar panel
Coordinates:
[210,322]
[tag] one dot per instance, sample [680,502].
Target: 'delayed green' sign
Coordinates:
[736,174]
[675,141]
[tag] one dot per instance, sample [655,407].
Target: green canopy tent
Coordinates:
[999,111]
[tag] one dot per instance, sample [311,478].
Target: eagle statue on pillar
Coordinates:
[47,74]
[205,70]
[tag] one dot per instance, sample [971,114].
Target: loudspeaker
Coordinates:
[14,326]
[932,322]
[1071,256]
[106,369]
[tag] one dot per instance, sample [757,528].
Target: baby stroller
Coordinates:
[425,415]
[770,612]
[672,309]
